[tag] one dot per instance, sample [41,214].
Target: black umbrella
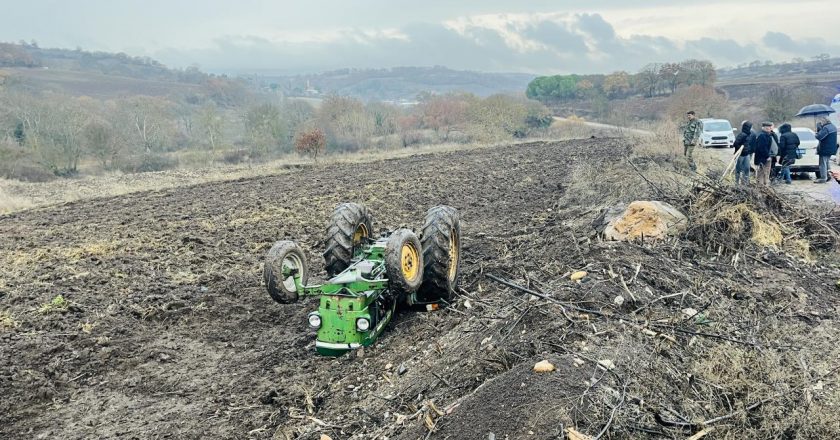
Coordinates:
[815,110]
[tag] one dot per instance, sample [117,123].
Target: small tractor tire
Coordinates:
[349,225]
[403,262]
[441,241]
[284,254]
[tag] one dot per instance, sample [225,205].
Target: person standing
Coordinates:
[788,146]
[691,134]
[744,142]
[763,146]
[827,135]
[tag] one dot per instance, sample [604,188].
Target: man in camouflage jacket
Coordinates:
[691,134]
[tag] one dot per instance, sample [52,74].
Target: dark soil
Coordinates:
[169,332]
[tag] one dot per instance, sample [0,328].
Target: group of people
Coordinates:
[766,148]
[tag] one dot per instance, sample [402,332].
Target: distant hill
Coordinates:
[824,68]
[115,64]
[112,75]
[395,84]
[104,74]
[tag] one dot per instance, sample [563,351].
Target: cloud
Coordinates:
[723,51]
[538,43]
[556,36]
[804,48]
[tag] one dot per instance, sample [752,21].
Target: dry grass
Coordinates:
[7,322]
[110,184]
[9,203]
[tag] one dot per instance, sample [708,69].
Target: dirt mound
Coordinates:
[167,330]
[520,403]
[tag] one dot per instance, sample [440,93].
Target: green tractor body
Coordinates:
[356,304]
[349,315]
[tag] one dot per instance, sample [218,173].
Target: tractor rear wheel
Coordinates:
[349,226]
[403,262]
[441,240]
[282,259]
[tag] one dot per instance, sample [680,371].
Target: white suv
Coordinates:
[717,133]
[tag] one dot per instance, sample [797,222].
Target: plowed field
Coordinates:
[167,332]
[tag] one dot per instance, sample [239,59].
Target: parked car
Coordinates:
[717,133]
[809,161]
[835,117]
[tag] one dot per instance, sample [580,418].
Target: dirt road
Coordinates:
[826,194]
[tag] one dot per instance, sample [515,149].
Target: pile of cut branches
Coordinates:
[731,220]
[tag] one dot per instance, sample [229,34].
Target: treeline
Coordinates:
[396,83]
[818,64]
[29,54]
[47,134]
[652,80]
[12,55]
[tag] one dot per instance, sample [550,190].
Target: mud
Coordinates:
[169,332]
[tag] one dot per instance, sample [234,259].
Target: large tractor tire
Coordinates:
[283,256]
[441,241]
[349,226]
[403,262]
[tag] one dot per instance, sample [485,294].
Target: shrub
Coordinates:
[237,156]
[17,163]
[310,142]
[148,163]
[704,100]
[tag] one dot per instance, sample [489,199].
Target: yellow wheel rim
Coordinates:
[453,255]
[410,259]
[361,232]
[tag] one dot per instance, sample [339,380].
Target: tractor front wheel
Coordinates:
[349,226]
[441,239]
[284,262]
[403,262]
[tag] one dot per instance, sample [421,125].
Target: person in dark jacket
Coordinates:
[827,135]
[763,147]
[788,145]
[742,167]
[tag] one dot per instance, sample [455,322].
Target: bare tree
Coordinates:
[648,79]
[778,103]
[264,128]
[100,142]
[144,123]
[212,124]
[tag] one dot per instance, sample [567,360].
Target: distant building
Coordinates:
[310,91]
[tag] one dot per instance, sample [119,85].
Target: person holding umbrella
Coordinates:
[827,135]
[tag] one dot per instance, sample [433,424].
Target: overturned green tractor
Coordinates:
[370,277]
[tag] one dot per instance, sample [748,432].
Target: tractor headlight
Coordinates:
[362,324]
[314,320]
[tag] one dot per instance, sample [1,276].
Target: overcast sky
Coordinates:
[487,35]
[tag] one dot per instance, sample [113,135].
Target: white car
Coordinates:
[808,144]
[717,133]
